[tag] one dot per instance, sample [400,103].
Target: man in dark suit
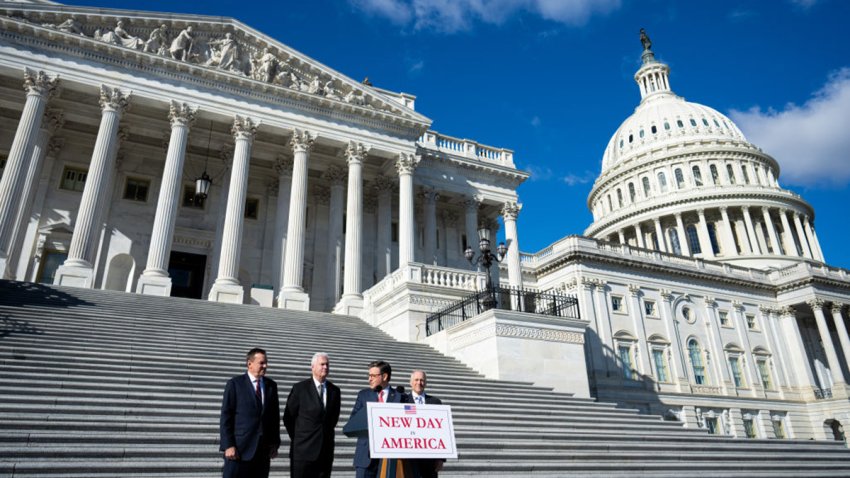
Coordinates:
[310,415]
[379,390]
[425,468]
[249,426]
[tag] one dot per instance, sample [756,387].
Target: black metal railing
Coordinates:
[503,298]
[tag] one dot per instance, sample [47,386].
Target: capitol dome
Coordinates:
[681,178]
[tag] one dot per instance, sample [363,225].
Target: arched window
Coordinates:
[715,176]
[674,241]
[632,193]
[731,173]
[693,239]
[705,122]
[619,198]
[662,182]
[680,124]
[641,133]
[697,365]
[646,188]
[610,206]
[666,125]
[712,237]
[697,175]
[680,178]
[693,122]
[654,129]
[746,175]
[631,138]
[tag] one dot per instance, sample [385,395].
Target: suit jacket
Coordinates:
[361,451]
[427,467]
[310,425]
[244,419]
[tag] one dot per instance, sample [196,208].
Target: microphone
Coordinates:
[399,389]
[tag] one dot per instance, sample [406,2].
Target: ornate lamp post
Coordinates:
[486,259]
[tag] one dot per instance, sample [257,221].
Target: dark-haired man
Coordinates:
[379,390]
[250,420]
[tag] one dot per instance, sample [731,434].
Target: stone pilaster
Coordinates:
[405,165]
[352,297]
[227,287]
[384,186]
[283,167]
[39,87]
[336,177]
[510,212]
[77,270]
[292,295]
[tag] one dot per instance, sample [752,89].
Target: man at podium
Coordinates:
[379,390]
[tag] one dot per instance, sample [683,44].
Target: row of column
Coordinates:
[751,236]
[832,355]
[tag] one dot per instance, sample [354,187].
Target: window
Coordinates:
[136,189]
[724,318]
[666,125]
[646,189]
[395,232]
[680,124]
[751,321]
[695,354]
[746,175]
[190,200]
[621,143]
[617,304]
[625,353]
[649,307]
[715,177]
[49,263]
[749,427]
[619,198]
[680,178]
[705,122]
[697,176]
[758,175]
[778,426]
[662,182]
[687,314]
[641,133]
[730,173]
[252,210]
[73,179]
[693,239]
[674,242]
[654,129]
[631,138]
[659,361]
[764,373]
[735,368]
[610,206]
[632,193]
[712,238]
[693,122]
[654,239]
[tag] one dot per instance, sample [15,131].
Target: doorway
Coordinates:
[187,274]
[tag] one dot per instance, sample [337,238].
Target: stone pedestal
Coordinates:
[75,276]
[349,305]
[226,292]
[154,285]
[293,300]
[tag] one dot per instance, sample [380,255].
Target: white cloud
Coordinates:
[573,179]
[535,121]
[539,173]
[415,67]
[804,4]
[449,16]
[810,141]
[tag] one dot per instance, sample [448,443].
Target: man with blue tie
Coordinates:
[379,390]
[250,420]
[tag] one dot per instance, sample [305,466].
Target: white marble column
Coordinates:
[683,237]
[801,235]
[39,88]
[227,287]
[384,187]
[77,270]
[292,295]
[826,341]
[283,166]
[471,205]
[335,176]
[838,319]
[53,120]
[510,211]
[155,279]
[639,236]
[659,233]
[351,302]
[817,254]
[790,245]
[703,236]
[751,233]
[405,164]
[771,231]
[622,236]
[429,207]
[729,236]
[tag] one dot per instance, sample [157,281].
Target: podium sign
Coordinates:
[406,430]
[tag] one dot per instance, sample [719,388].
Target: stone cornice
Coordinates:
[514,175]
[36,26]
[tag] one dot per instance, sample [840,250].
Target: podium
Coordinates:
[357,427]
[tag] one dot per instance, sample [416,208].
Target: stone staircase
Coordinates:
[108,384]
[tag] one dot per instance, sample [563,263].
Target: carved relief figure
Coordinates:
[264,66]
[181,47]
[354,98]
[125,38]
[315,87]
[70,25]
[157,40]
[330,91]
[224,53]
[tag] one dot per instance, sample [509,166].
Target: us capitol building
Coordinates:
[183,155]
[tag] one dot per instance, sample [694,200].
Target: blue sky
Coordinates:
[552,80]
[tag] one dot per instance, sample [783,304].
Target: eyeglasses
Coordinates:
[374,375]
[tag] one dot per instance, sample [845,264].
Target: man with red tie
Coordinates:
[379,390]
[250,420]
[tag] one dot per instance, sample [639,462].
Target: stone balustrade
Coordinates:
[466,148]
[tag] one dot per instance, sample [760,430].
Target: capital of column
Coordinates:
[634,290]
[55,145]
[113,99]
[181,114]
[764,309]
[787,311]
[837,307]
[430,195]
[588,283]
[335,175]
[724,209]
[302,141]
[450,217]
[701,213]
[816,304]
[510,210]
[383,184]
[746,209]
[322,195]
[737,305]
[406,163]
[472,203]
[54,120]
[710,302]
[355,152]
[243,128]
[39,83]
[272,187]
[283,165]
